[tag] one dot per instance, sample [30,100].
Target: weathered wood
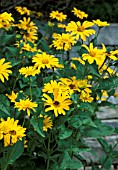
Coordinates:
[111,122]
[90,168]
[107,113]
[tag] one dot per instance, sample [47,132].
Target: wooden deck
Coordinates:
[110,117]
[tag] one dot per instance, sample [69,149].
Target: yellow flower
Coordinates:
[104,95]
[85,97]
[60,25]
[22,10]
[79,14]
[69,85]
[58,15]
[50,24]
[78,59]
[4,72]
[116,94]
[58,105]
[51,87]
[5,24]
[10,131]
[30,36]
[89,77]
[113,55]
[64,41]
[6,20]
[94,54]
[12,97]
[28,47]
[37,14]
[83,84]
[27,24]
[100,23]
[26,105]
[6,16]
[47,123]
[45,61]
[29,71]
[73,66]
[80,31]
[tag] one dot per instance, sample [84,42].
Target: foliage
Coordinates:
[106,10]
[49,98]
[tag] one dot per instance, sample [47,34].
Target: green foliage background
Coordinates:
[103,9]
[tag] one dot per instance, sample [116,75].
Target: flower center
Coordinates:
[56,103]
[12,132]
[80,29]
[57,15]
[92,53]
[72,86]
[45,61]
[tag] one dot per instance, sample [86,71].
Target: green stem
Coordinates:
[14,85]
[42,37]
[107,157]
[48,153]
[8,158]
[23,120]
[68,56]
[63,56]
[30,88]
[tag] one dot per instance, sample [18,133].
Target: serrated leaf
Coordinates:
[13,50]
[38,125]
[65,159]
[87,106]
[4,107]
[105,163]
[65,134]
[74,164]
[12,153]
[99,131]
[104,144]
[108,83]
[93,71]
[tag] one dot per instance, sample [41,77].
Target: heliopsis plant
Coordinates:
[52,84]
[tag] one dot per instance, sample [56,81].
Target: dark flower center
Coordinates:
[12,132]
[80,29]
[45,61]
[56,103]
[72,86]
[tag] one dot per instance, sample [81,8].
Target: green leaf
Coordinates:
[100,130]
[45,46]
[13,50]
[104,144]
[87,106]
[68,163]
[93,71]
[65,159]
[15,62]
[105,162]
[72,145]
[12,153]
[4,107]
[38,125]
[65,134]
[6,38]
[108,83]
[74,164]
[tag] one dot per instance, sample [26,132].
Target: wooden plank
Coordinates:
[90,168]
[107,113]
[97,151]
[111,122]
